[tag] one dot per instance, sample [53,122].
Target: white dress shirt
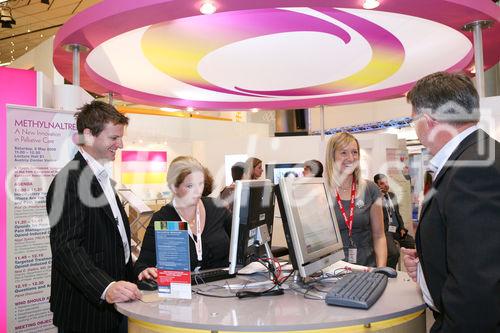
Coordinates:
[103,178]
[436,164]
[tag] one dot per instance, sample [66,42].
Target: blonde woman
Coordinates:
[209,222]
[253,168]
[358,205]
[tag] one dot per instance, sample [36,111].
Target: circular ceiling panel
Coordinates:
[269,57]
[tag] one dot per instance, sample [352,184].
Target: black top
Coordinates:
[215,237]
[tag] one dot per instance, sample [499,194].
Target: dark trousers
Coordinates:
[392,250]
[407,241]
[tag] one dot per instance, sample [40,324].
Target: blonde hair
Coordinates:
[333,175]
[180,168]
[250,164]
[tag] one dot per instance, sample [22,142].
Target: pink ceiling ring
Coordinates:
[270,54]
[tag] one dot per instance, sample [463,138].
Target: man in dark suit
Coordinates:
[396,233]
[90,234]
[457,261]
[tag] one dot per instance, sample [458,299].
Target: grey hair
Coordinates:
[446,97]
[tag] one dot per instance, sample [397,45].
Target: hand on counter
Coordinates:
[122,291]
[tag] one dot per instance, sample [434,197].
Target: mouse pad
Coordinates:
[151,297]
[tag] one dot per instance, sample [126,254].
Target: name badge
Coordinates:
[392,228]
[352,255]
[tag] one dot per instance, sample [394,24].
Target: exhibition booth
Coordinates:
[254,60]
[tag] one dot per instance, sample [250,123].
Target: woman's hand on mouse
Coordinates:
[150,273]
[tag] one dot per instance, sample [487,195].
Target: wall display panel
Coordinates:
[143,167]
[39,144]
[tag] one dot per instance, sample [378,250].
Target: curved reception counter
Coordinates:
[400,309]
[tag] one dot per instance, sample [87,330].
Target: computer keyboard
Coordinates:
[210,275]
[357,290]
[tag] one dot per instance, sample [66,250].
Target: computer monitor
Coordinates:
[275,172]
[252,225]
[311,230]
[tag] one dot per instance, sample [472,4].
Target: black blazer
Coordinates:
[87,250]
[399,219]
[458,238]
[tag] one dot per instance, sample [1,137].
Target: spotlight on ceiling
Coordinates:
[371,4]
[6,17]
[208,7]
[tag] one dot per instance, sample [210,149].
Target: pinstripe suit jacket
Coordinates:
[87,250]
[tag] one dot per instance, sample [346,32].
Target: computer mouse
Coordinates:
[147,285]
[387,271]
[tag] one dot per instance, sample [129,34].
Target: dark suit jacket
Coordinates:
[458,239]
[87,250]
[399,219]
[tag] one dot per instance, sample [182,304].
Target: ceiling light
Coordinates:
[371,4]
[207,8]
[255,110]
[189,109]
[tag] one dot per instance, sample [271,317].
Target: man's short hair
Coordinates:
[378,177]
[95,115]
[315,166]
[237,171]
[447,97]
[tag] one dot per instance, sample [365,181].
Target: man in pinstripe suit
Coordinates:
[90,234]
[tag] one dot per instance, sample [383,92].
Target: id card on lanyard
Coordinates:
[389,207]
[197,241]
[352,253]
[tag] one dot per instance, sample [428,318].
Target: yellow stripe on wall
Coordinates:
[144,177]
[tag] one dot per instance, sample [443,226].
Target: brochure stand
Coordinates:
[139,223]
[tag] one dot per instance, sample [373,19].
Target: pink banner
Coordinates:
[147,156]
[16,87]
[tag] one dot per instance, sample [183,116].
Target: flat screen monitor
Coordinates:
[275,172]
[311,230]
[253,214]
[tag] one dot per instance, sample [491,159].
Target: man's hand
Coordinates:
[411,261]
[122,291]
[150,273]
